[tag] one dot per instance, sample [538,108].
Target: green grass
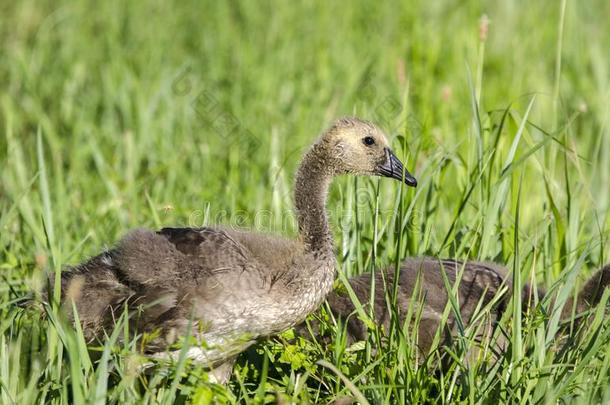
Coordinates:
[117,115]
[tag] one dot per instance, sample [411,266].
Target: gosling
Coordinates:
[482,285]
[229,287]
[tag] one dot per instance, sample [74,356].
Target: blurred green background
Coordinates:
[121,114]
[145,98]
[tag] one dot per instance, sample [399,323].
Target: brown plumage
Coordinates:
[233,286]
[591,293]
[481,286]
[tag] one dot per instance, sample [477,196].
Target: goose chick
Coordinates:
[479,287]
[232,287]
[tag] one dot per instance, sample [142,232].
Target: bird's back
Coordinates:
[225,281]
[422,287]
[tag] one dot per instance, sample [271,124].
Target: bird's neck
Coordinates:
[311,189]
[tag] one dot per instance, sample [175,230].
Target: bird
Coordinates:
[230,287]
[421,285]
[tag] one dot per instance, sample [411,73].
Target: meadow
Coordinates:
[115,115]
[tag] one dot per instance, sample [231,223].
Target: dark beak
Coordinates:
[393,168]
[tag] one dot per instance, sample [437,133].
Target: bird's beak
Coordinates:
[393,167]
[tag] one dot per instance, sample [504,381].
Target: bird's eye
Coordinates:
[368,141]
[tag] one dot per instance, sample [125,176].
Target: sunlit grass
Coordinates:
[120,115]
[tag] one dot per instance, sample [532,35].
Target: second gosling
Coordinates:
[481,285]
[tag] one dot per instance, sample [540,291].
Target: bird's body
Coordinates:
[422,287]
[224,282]
[229,287]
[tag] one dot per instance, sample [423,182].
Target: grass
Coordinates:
[116,115]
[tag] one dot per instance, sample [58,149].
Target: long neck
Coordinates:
[311,188]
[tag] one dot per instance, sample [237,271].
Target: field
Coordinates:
[115,115]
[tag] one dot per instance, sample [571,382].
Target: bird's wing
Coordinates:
[215,254]
[214,249]
[208,275]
